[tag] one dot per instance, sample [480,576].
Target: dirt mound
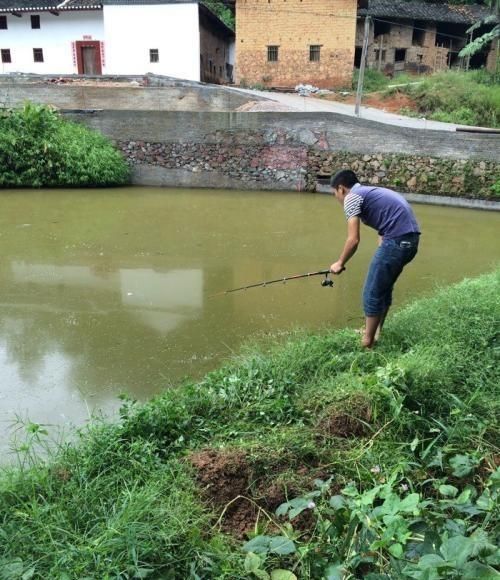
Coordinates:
[347,423]
[222,477]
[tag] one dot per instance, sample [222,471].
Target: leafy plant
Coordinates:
[385,530]
[38,148]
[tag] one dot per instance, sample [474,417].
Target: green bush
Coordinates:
[464,98]
[38,148]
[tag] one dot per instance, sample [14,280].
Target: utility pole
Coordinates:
[362,66]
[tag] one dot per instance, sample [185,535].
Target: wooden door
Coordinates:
[88,57]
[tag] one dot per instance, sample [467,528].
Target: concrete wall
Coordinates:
[294,26]
[131,31]
[55,37]
[185,97]
[283,151]
[327,131]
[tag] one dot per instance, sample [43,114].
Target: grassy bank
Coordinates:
[38,148]
[464,98]
[381,464]
[471,98]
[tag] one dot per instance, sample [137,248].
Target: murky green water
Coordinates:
[109,292]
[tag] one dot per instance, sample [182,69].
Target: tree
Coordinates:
[486,38]
[219,8]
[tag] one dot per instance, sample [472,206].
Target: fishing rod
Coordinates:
[327,282]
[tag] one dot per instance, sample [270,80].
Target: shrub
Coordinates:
[39,148]
[457,97]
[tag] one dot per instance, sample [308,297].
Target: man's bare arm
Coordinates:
[350,246]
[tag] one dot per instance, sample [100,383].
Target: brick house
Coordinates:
[419,37]
[178,38]
[282,44]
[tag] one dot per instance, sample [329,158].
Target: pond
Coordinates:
[106,292]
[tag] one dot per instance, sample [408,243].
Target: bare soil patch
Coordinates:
[225,475]
[353,422]
[222,477]
[388,103]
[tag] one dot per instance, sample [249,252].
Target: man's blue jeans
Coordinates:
[386,266]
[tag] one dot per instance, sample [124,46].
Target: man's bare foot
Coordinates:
[366,342]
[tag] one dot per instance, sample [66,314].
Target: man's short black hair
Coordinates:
[346,177]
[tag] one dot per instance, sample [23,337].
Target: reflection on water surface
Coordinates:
[109,292]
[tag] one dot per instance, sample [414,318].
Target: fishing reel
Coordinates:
[327,282]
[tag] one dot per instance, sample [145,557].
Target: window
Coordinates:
[314,53]
[400,55]
[6,55]
[35,21]
[3,22]
[38,54]
[154,55]
[418,37]
[272,53]
[380,27]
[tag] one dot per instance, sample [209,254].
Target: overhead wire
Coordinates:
[276,10]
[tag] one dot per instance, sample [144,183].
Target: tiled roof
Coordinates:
[418,10]
[43,5]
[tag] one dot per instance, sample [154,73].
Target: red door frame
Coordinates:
[79,44]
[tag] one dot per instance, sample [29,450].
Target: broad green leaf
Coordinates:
[337,502]
[414,443]
[282,546]
[334,572]
[431,561]
[448,490]
[396,550]
[350,491]
[258,545]
[464,497]
[494,559]
[410,503]
[462,465]
[283,575]
[456,550]
[252,562]
[481,544]
[484,501]
[475,569]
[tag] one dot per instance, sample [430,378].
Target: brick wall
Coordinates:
[293,26]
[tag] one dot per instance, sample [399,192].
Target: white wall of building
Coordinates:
[55,37]
[173,29]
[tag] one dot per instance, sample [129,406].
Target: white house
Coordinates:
[178,38]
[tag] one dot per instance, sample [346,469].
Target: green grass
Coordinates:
[122,500]
[471,98]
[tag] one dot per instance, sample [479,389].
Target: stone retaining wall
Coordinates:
[410,173]
[284,151]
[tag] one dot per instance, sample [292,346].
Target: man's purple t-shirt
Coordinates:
[384,210]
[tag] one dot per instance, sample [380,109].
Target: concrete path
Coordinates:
[312,105]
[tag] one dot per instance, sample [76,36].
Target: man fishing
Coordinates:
[390,214]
